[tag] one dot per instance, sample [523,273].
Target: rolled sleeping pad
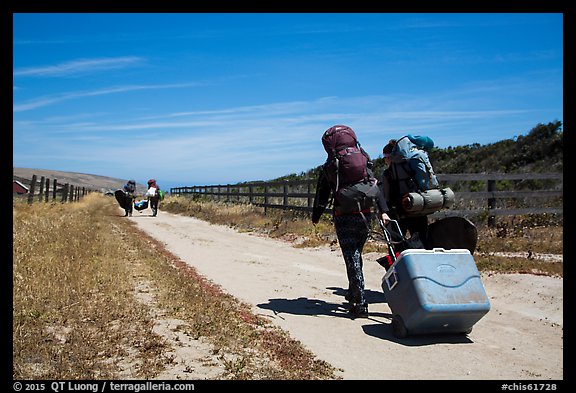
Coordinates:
[427,202]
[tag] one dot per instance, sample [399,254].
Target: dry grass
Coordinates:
[72,284]
[525,237]
[77,270]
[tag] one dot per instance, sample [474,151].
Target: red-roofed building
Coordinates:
[19,188]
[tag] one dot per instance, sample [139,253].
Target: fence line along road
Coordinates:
[477,194]
[67,192]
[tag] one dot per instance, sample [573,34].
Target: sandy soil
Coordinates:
[302,291]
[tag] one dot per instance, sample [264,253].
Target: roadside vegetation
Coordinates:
[79,273]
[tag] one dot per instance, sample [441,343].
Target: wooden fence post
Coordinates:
[65,193]
[309,190]
[41,191]
[265,199]
[55,184]
[47,190]
[32,189]
[285,195]
[491,203]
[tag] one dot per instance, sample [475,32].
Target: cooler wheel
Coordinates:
[398,327]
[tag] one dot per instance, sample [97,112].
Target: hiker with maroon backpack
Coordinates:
[347,177]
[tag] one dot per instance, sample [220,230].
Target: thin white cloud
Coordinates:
[45,101]
[78,66]
[284,122]
[266,141]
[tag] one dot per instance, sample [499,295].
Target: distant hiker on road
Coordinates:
[129,190]
[347,171]
[154,195]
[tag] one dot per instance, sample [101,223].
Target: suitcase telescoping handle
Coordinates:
[390,277]
[388,237]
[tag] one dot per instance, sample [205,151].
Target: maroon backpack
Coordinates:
[347,168]
[347,162]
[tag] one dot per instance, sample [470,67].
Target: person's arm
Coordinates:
[381,203]
[382,207]
[321,198]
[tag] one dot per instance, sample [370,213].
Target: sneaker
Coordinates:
[359,311]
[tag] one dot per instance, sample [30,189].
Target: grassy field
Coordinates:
[78,271]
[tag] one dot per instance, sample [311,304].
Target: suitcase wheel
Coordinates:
[467,331]
[398,327]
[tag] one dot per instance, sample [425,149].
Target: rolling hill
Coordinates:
[94,182]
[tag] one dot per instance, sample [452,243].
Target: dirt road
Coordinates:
[302,291]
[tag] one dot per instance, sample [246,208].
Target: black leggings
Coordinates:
[352,233]
[154,205]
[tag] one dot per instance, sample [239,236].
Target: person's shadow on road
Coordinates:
[307,306]
[371,296]
[304,306]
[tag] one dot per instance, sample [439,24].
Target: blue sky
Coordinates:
[198,98]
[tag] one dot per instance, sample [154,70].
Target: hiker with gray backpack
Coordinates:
[411,187]
[347,181]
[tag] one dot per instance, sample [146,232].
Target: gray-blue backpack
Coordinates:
[416,189]
[411,164]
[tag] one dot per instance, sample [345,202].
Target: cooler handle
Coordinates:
[392,274]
